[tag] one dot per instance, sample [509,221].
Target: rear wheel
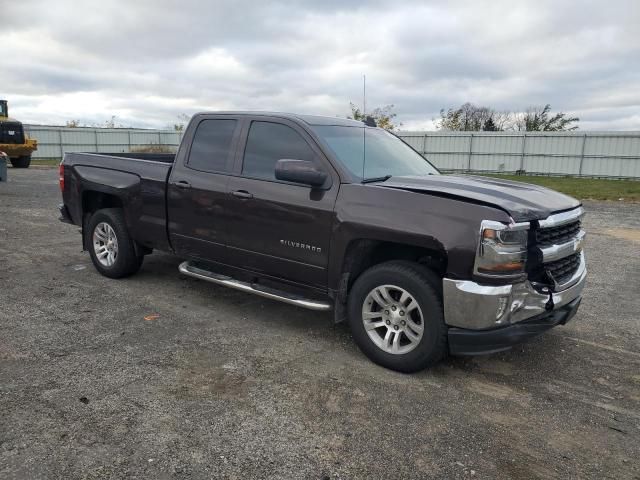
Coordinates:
[112,250]
[396,316]
[21,162]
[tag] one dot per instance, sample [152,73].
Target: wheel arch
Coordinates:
[363,253]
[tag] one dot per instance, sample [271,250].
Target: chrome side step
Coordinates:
[190,269]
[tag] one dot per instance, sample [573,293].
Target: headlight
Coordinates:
[502,250]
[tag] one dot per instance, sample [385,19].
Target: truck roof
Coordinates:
[310,119]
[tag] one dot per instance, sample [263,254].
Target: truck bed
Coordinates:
[154,157]
[139,179]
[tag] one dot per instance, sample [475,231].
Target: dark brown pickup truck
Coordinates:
[332,214]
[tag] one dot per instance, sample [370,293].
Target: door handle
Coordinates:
[182,184]
[242,194]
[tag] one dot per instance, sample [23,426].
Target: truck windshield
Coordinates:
[372,153]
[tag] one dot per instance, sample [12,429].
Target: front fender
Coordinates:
[417,219]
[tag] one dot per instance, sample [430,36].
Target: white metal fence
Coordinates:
[593,154]
[54,142]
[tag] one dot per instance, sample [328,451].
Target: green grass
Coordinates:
[45,161]
[584,188]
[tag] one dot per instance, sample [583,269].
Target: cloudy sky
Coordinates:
[149,61]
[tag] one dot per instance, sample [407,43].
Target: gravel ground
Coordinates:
[223,384]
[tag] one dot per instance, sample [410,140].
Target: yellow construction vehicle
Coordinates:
[13,141]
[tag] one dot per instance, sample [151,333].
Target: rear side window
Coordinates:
[211,147]
[269,142]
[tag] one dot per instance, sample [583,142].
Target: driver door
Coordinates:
[277,228]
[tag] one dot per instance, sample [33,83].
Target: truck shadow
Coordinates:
[160,271]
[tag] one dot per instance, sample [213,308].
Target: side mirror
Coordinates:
[300,171]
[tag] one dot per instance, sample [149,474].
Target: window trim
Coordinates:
[318,155]
[230,160]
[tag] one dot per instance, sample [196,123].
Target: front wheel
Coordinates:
[112,250]
[396,316]
[21,162]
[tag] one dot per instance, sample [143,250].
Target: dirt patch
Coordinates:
[630,234]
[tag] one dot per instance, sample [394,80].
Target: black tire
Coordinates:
[21,162]
[127,261]
[425,287]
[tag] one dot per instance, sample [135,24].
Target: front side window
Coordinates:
[269,142]
[211,147]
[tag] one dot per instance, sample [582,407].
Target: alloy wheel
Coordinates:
[393,319]
[105,244]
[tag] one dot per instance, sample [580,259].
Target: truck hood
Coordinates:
[523,201]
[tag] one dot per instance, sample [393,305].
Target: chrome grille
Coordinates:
[559,240]
[557,235]
[563,269]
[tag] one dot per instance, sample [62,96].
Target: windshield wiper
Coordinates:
[376,179]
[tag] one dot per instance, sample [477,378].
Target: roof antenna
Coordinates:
[368,120]
[364,130]
[364,96]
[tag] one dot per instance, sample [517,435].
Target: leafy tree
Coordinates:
[73,123]
[490,126]
[383,116]
[539,119]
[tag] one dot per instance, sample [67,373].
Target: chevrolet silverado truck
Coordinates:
[333,214]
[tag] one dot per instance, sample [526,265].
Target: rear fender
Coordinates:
[121,186]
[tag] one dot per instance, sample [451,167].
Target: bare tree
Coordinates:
[111,123]
[183,119]
[503,120]
[470,117]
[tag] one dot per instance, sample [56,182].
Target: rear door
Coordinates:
[279,228]
[197,188]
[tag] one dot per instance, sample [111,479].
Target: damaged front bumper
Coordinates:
[480,342]
[486,319]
